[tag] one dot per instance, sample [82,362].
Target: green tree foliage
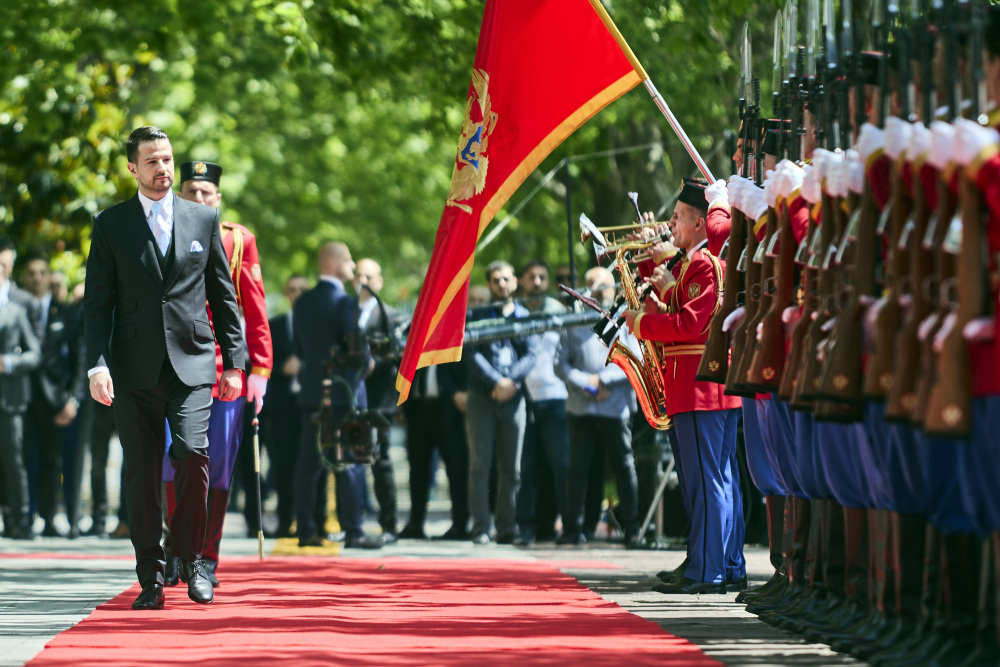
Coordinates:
[333,120]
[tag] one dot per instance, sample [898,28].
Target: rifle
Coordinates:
[714,365]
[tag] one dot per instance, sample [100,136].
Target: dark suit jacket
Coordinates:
[279,389]
[324,318]
[135,316]
[17,339]
[381,384]
[62,372]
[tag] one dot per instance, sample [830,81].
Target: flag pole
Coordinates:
[654,93]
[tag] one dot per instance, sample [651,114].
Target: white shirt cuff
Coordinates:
[98,369]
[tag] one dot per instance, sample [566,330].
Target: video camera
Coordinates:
[353,440]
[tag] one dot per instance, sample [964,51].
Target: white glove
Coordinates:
[870,140]
[792,180]
[734,189]
[980,329]
[716,193]
[970,140]
[770,196]
[897,136]
[838,178]
[920,142]
[754,204]
[810,184]
[856,171]
[256,388]
[942,143]
[822,159]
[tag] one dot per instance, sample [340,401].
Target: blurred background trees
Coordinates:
[336,120]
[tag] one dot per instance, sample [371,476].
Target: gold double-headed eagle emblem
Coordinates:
[472,162]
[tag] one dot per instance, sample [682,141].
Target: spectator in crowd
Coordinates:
[19,355]
[545,456]
[324,320]
[280,421]
[600,406]
[57,389]
[495,413]
[376,319]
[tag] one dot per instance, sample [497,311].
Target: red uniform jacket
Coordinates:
[244,268]
[985,173]
[682,333]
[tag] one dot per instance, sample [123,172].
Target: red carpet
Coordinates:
[392,611]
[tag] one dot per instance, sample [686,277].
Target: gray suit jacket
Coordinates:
[21,350]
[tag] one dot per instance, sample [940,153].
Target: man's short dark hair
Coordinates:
[497,265]
[34,254]
[142,135]
[532,264]
[296,276]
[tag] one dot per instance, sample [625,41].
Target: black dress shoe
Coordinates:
[740,584]
[170,575]
[506,538]
[50,531]
[314,541]
[457,533]
[363,542]
[193,573]
[685,586]
[480,538]
[571,539]
[210,566]
[151,597]
[412,532]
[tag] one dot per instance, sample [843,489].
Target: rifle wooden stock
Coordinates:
[797,344]
[762,304]
[880,371]
[902,397]
[949,409]
[945,267]
[843,371]
[740,349]
[807,382]
[769,359]
[714,364]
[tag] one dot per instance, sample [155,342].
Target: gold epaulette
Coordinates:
[236,261]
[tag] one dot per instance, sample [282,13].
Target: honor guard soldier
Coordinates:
[705,418]
[200,183]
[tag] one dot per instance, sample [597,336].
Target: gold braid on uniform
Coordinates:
[717,267]
[236,263]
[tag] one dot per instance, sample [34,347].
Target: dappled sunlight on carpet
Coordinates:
[378,611]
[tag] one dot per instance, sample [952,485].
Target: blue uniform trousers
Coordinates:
[760,460]
[849,472]
[706,440]
[806,483]
[225,432]
[978,472]
[904,469]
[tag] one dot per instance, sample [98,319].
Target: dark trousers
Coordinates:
[425,418]
[141,414]
[590,437]
[385,482]
[97,425]
[48,438]
[545,435]
[15,476]
[281,430]
[308,471]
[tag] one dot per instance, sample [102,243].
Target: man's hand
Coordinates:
[3,367]
[230,385]
[504,390]
[662,278]
[67,414]
[102,389]
[630,316]
[603,394]
[292,365]
[256,388]
[461,400]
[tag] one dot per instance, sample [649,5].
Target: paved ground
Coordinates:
[40,597]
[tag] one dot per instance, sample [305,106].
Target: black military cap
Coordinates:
[867,62]
[200,170]
[693,193]
[772,138]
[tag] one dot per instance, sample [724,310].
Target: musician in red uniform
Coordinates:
[705,418]
[200,183]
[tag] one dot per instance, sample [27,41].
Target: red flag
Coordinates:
[542,69]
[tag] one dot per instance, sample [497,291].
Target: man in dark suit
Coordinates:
[19,355]
[280,423]
[154,261]
[375,319]
[325,319]
[57,388]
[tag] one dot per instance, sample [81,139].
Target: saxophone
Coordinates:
[643,374]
